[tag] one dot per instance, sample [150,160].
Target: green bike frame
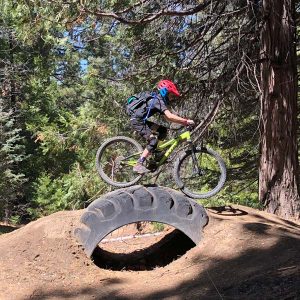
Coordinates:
[172,144]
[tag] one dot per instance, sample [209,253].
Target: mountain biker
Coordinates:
[150,131]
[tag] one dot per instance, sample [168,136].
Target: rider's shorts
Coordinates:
[150,131]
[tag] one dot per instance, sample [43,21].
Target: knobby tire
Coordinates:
[220,167]
[101,153]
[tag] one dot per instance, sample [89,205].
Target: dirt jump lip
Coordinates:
[137,204]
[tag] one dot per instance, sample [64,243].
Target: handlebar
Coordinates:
[181,127]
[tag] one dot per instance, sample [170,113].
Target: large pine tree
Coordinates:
[278,180]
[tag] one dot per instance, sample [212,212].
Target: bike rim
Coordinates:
[206,180]
[117,161]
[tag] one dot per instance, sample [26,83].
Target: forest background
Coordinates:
[67,68]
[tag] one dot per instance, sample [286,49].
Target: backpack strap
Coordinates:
[154,98]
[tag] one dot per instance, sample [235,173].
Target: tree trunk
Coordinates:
[278,176]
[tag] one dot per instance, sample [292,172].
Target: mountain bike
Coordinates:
[198,171]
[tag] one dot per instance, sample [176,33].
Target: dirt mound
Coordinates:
[244,254]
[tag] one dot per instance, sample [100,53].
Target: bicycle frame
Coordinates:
[171,145]
[198,171]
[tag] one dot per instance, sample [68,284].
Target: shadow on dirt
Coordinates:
[272,273]
[7,229]
[267,267]
[82,293]
[259,272]
[160,254]
[226,211]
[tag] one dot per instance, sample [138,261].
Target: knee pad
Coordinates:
[152,143]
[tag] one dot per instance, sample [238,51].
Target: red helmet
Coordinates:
[170,86]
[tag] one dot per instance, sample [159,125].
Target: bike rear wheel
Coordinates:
[115,159]
[202,183]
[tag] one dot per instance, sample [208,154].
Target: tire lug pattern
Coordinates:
[136,204]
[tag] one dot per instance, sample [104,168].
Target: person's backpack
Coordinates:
[138,101]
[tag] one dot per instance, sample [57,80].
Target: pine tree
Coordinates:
[279,165]
[11,155]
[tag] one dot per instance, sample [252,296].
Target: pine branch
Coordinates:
[148,17]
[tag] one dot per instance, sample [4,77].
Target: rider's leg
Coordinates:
[157,132]
[144,155]
[143,129]
[150,132]
[151,145]
[162,132]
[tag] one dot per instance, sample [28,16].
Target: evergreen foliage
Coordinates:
[11,155]
[68,69]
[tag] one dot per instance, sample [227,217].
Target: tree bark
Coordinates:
[278,176]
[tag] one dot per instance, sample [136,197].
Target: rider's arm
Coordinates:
[174,118]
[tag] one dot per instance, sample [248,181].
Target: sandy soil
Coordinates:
[244,254]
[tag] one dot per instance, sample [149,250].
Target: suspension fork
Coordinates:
[196,169]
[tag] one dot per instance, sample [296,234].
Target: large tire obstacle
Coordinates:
[139,203]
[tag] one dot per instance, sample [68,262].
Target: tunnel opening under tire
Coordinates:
[159,252]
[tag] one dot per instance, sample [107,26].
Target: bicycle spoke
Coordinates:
[115,161]
[207,178]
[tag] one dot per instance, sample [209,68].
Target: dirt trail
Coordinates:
[244,254]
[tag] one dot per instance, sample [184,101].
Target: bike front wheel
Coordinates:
[115,159]
[202,176]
